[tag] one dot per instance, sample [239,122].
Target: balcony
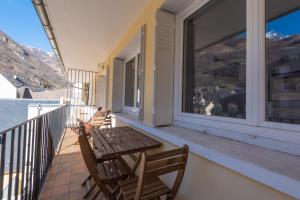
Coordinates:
[239,121]
[66,173]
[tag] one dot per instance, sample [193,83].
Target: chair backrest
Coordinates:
[91,163]
[82,131]
[163,163]
[104,114]
[103,119]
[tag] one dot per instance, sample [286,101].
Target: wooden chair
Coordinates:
[104,120]
[148,185]
[100,119]
[105,174]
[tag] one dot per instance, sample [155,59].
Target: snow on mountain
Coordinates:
[48,58]
[37,68]
[273,35]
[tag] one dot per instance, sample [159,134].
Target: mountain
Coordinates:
[273,35]
[36,68]
[219,73]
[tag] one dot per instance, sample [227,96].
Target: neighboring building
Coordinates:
[215,75]
[7,89]
[12,90]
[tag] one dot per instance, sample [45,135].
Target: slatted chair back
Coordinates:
[102,120]
[160,164]
[86,137]
[91,164]
[103,114]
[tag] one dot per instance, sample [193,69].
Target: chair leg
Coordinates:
[89,191]
[85,180]
[119,197]
[96,195]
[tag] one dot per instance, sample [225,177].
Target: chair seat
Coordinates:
[152,188]
[112,170]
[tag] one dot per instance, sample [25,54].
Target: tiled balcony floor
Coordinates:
[67,172]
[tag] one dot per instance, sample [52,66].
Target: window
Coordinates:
[130,83]
[138,87]
[283,61]
[214,60]
[217,93]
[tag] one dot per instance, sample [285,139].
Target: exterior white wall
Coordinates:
[100,91]
[35,110]
[7,90]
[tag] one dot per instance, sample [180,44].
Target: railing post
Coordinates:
[37,159]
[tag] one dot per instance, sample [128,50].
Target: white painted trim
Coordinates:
[265,176]
[130,110]
[254,126]
[126,109]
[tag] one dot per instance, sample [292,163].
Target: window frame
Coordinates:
[180,18]
[262,71]
[254,125]
[127,109]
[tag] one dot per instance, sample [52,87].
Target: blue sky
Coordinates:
[286,25]
[19,21]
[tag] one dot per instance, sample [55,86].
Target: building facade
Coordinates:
[220,76]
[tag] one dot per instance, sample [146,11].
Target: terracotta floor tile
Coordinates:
[59,190]
[64,196]
[46,192]
[77,194]
[66,173]
[75,186]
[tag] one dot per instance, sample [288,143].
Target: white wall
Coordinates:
[100,91]
[38,109]
[7,90]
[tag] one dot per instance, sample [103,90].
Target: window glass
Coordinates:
[214,66]
[283,61]
[138,89]
[129,83]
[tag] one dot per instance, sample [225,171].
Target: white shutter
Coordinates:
[164,69]
[117,85]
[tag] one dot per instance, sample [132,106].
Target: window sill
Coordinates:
[280,171]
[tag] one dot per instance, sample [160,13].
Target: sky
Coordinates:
[20,22]
[286,25]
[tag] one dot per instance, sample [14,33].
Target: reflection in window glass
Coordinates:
[129,83]
[283,61]
[214,72]
[138,89]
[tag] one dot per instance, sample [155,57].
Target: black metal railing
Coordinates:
[26,152]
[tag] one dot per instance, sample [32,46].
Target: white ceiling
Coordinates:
[87,30]
[132,48]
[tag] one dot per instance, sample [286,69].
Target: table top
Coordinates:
[112,142]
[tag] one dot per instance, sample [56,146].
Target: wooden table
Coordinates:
[113,142]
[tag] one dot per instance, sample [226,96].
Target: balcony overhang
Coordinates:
[85,32]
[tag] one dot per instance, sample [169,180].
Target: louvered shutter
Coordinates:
[141,72]
[163,69]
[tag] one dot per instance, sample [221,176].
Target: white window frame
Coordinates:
[254,125]
[127,109]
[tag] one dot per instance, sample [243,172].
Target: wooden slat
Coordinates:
[107,170]
[132,188]
[113,169]
[113,142]
[156,194]
[122,166]
[166,154]
[164,170]
[101,171]
[97,143]
[162,163]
